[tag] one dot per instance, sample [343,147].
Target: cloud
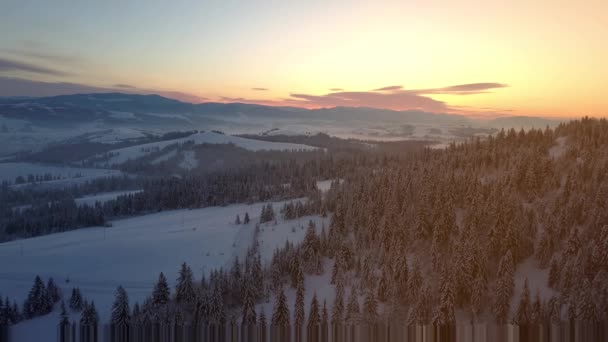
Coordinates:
[11,65]
[396,100]
[464,89]
[126,86]
[389,88]
[259,89]
[12,86]
[390,97]
[30,53]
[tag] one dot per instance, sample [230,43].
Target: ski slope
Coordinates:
[134,152]
[132,253]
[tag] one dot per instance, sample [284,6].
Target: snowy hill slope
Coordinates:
[140,248]
[133,152]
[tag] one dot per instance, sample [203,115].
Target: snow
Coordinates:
[10,171]
[103,197]
[133,252]
[190,162]
[134,152]
[164,157]
[272,236]
[558,150]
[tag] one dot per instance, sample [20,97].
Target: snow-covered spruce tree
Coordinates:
[76,301]
[523,315]
[280,315]
[298,314]
[238,219]
[161,293]
[419,312]
[586,306]
[246,219]
[600,294]
[338,308]
[536,313]
[311,251]
[257,276]
[38,302]
[504,288]
[235,282]
[554,274]
[297,274]
[314,317]
[137,315]
[352,309]
[121,314]
[89,315]
[249,314]
[53,291]
[64,318]
[370,307]
[478,293]
[444,314]
[217,310]
[184,290]
[414,283]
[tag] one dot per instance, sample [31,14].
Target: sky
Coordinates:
[490,58]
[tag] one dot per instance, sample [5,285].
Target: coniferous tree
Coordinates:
[586,306]
[352,309]
[280,315]
[338,308]
[76,300]
[445,312]
[249,315]
[246,219]
[536,313]
[554,274]
[523,315]
[161,293]
[504,288]
[184,291]
[38,301]
[53,291]
[64,319]
[238,219]
[314,317]
[121,314]
[477,296]
[298,315]
[370,307]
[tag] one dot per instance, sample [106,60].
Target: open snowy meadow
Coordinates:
[133,252]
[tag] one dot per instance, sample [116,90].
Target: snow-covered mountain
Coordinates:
[30,123]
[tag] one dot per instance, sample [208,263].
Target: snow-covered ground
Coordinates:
[10,171]
[133,152]
[132,253]
[190,161]
[103,197]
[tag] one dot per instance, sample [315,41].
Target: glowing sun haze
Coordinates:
[545,58]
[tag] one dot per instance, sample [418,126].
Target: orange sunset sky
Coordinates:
[491,58]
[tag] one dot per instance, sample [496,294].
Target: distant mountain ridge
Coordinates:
[29,123]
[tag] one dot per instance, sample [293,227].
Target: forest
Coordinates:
[428,237]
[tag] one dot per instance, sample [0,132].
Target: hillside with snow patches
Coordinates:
[122,155]
[133,251]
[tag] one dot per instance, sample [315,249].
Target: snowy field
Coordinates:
[10,171]
[103,197]
[133,152]
[133,252]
